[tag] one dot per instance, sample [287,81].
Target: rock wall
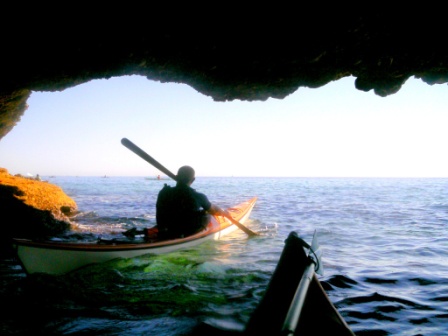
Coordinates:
[30,208]
[247,56]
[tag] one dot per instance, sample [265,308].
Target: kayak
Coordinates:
[295,303]
[58,257]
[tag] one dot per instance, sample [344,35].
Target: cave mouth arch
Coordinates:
[331,131]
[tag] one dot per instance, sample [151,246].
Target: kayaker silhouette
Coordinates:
[181,210]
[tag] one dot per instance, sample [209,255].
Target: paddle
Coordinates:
[145,156]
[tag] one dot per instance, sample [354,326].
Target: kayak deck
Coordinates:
[318,316]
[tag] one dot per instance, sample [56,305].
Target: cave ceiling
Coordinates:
[251,62]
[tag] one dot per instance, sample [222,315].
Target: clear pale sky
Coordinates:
[332,131]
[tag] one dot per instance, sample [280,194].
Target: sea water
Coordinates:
[384,244]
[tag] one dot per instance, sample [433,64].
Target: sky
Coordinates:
[332,131]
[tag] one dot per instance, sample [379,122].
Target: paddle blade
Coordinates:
[145,156]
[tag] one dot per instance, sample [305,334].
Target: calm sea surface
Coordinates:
[385,258]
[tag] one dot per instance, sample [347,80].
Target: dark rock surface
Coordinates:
[225,53]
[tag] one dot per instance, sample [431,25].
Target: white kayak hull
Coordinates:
[62,257]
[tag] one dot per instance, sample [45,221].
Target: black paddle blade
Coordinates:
[145,156]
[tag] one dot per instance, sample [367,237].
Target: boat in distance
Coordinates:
[56,257]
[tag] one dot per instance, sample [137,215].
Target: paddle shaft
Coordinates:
[242,227]
[145,156]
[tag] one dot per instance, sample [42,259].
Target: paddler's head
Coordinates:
[185,175]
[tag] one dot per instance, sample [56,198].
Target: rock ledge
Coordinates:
[30,208]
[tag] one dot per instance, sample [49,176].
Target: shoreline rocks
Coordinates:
[31,208]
